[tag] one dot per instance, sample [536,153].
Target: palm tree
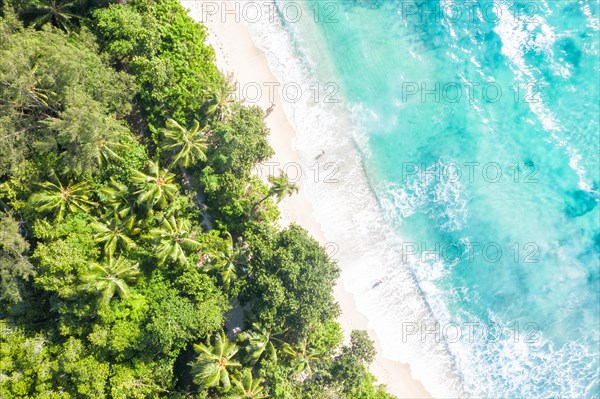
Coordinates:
[247,387]
[115,234]
[61,200]
[116,195]
[111,277]
[302,357]
[188,145]
[221,99]
[105,150]
[56,11]
[280,187]
[213,365]
[259,344]
[155,188]
[173,237]
[228,258]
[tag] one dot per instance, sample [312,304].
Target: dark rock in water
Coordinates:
[580,203]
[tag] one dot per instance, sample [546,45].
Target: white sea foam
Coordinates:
[430,192]
[518,36]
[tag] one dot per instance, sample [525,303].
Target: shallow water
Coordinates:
[463,154]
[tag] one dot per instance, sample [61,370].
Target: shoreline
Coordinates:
[235,51]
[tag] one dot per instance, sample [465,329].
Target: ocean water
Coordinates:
[459,184]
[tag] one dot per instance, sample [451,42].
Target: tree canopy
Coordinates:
[133,231]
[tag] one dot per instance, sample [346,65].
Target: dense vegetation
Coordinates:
[132,228]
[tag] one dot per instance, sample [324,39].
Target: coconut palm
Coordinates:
[187,145]
[173,239]
[214,363]
[105,150]
[156,188]
[115,234]
[116,196]
[247,387]
[259,344]
[58,12]
[60,199]
[113,276]
[303,357]
[228,259]
[221,99]
[280,187]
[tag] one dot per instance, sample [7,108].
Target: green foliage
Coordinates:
[290,282]
[361,346]
[214,363]
[86,134]
[174,237]
[156,188]
[66,253]
[58,97]
[349,372]
[108,274]
[186,146]
[240,143]
[110,278]
[327,337]
[62,199]
[32,367]
[165,50]
[15,268]
[232,201]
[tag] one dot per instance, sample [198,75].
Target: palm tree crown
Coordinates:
[259,344]
[55,11]
[187,145]
[116,195]
[247,387]
[303,358]
[215,362]
[281,186]
[228,258]
[173,237]
[61,199]
[156,188]
[111,277]
[115,234]
[221,100]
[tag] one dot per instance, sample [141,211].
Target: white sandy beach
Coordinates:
[238,54]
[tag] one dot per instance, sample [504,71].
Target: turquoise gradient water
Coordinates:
[491,180]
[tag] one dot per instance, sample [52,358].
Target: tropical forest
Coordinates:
[140,254]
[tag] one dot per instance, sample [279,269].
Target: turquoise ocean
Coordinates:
[459,184]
